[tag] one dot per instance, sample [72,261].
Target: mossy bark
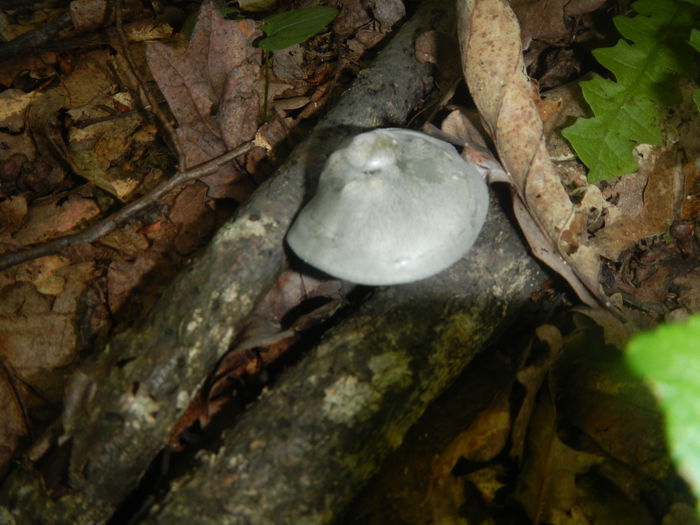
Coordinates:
[304,449]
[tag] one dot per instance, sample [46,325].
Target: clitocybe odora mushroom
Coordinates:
[392,206]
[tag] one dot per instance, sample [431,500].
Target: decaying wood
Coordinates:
[124,401]
[305,449]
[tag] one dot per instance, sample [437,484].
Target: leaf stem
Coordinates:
[266,68]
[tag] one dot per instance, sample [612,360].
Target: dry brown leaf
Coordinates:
[105,129]
[35,341]
[542,20]
[290,289]
[41,64]
[598,394]
[13,212]
[147,30]
[387,12]
[547,483]
[494,70]
[44,274]
[483,440]
[57,215]
[548,28]
[615,332]
[531,378]
[352,16]
[11,145]
[434,47]
[551,20]
[194,216]
[14,425]
[128,240]
[688,286]
[124,276]
[257,5]
[659,179]
[213,89]
[14,104]
[87,15]
[288,64]
[94,151]
[690,207]
[459,124]
[89,80]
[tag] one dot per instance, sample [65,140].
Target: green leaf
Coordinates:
[629,110]
[293,27]
[695,42]
[695,39]
[669,359]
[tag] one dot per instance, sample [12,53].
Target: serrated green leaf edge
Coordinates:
[293,27]
[669,360]
[605,142]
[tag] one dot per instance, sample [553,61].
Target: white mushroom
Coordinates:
[392,206]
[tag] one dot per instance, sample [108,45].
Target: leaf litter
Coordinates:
[214,90]
[74,146]
[217,106]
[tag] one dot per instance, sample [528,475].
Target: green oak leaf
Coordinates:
[669,360]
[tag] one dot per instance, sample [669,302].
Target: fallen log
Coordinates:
[302,451]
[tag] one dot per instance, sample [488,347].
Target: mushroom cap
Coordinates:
[393,206]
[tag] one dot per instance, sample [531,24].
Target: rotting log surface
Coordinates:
[123,403]
[304,449]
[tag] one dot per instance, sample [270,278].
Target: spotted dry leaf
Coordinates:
[494,69]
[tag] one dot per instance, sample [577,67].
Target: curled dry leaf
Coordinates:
[494,69]
[547,487]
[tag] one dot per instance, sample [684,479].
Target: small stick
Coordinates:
[110,223]
[149,102]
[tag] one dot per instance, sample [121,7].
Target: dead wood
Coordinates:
[305,449]
[122,404]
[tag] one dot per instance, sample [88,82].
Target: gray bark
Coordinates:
[305,449]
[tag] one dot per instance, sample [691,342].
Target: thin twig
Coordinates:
[150,103]
[110,223]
